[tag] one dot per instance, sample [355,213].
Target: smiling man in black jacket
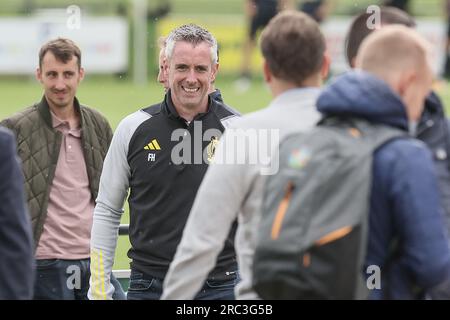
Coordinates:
[160,154]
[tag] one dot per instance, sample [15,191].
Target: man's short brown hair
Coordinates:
[359,29]
[63,50]
[293,46]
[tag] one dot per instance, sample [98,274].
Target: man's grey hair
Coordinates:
[193,34]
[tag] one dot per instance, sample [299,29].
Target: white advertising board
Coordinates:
[336,29]
[103,42]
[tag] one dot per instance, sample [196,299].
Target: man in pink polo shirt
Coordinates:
[62,145]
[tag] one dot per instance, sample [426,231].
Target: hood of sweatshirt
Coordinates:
[360,94]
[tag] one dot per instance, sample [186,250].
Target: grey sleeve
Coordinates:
[216,206]
[113,190]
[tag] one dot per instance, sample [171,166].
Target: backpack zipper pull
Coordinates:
[281,212]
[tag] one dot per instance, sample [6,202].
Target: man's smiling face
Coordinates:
[190,71]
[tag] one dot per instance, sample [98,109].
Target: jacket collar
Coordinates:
[295,96]
[44,111]
[361,94]
[170,110]
[216,95]
[433,104]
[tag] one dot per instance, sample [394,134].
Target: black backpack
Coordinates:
[312,236]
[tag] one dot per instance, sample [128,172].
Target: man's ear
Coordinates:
[267,72]
[353,63]
[405,81]
[39,74]
[81,73]
[215,68]
[356,62]
[165,64]
[325,65]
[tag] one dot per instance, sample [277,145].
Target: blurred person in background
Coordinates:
[258,14]
[295,64]
[62,145]
[399,4]
[16,238]
[317,9]
[432,127]
[407,238]
[446,72]
[162,76]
